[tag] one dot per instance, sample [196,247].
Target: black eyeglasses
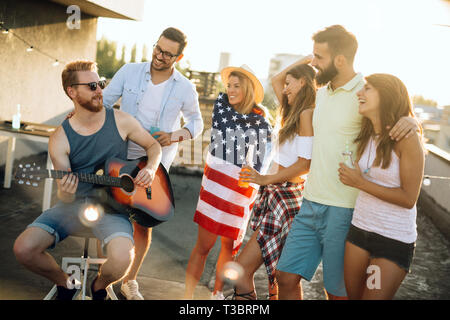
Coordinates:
[92,85]
[166,54]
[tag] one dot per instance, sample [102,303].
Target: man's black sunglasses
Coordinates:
[92,85]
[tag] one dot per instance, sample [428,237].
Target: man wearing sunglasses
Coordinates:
[89,138]
[157,95]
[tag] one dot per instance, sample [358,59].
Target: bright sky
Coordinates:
[407,38]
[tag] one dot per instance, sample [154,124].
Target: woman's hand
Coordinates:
[252,176]
[351,177]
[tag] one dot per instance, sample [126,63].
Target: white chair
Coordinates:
[78,267]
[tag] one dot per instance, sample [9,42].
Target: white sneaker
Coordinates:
[130,290]
[217,296]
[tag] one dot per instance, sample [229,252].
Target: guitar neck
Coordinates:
[88,178]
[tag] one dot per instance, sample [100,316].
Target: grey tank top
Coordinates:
[88,153]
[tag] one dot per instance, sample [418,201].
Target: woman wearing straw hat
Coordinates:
[240,132]
[280,195]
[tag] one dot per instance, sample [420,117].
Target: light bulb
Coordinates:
[426,182]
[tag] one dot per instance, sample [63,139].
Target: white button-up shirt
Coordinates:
[180,98]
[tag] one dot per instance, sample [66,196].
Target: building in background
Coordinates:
[224,60]
[281,61]
[443,138]
[31,77]
[436,125]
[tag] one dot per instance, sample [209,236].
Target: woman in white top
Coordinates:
[381,240]
[279,196]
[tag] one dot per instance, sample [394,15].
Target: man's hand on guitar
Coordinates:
[67,187]
[145,177]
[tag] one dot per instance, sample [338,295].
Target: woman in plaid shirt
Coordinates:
[279,196]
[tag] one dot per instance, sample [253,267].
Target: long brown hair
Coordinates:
[289,115]
[394,104]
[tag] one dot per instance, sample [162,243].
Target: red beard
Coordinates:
[90,105]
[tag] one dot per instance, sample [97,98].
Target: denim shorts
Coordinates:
[318,233]
[63,220]
[379,246]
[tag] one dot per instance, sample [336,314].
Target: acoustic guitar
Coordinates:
[150,206]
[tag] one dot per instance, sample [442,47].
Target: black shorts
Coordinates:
[381,247]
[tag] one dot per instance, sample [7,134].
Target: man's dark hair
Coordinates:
[339,40]
[176,35]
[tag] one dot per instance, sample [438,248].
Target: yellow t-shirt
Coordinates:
[336,121]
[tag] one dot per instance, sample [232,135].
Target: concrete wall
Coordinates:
[434,199]
[29,78]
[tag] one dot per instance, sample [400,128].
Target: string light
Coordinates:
[427,179]
[29,47]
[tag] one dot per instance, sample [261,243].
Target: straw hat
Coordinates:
[258,88]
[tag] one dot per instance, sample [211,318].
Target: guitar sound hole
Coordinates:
[127,183]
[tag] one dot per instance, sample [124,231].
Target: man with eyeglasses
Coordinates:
[157,95]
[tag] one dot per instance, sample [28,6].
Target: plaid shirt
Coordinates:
[274,210]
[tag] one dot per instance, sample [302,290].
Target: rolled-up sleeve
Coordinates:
[192,115]
[114,90]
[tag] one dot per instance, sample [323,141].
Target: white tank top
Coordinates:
[375,215]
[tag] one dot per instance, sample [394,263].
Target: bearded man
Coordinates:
[82,143]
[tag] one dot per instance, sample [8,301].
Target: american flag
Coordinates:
[223,207]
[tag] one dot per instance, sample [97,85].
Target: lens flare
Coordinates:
[232,272]
[91,214]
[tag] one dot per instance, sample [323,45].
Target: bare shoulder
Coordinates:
[306,127]
[58,135]
[413,143]
[124,119]
[58,141]
[121,115]
[308,113]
